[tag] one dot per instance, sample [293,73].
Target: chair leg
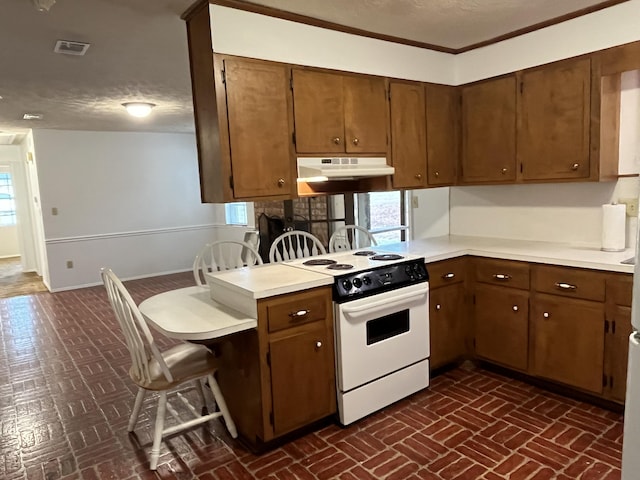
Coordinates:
[217,394]
[157,433]
[200,390]
[133,419]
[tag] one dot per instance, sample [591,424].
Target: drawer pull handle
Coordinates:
[298,315]
[448,276]
[502,276]
[318,344]
[515,308]
[438,307]
[565,286]
[546,314]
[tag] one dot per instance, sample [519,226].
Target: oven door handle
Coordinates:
[371,307]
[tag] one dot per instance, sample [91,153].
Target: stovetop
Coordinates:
[361,260]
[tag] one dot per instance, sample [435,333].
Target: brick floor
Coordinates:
[65,399]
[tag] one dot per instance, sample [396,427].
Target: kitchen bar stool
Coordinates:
[295,244]
[350,237]
[162,371]
[223,255]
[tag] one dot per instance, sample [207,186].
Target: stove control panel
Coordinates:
[379,279]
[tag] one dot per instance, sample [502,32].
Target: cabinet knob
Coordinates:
[505,277]
[281,182]
[515,308]
[437,174]
[336,140]
[575,166]
[448,276]
[438,306]
[546,314]
[355,141]
[299,314]
[418,176]
[318,344]
[504,170]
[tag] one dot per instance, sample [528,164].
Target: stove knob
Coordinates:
[407,270]
[366,280]
[357,283]
[346,284]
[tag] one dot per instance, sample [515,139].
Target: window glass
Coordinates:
[236,213]
[7,202]
[384,215]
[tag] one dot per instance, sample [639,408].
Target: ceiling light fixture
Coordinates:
[138,109]
[43,5]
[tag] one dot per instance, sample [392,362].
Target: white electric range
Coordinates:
[381,325]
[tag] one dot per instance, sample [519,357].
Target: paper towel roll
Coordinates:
[614,227]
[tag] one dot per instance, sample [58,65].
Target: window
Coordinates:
[7,203]
[236,213]
[384,214]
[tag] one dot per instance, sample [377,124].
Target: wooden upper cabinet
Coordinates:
[489,131]
[260,126]
[554,121]
[443,134]
[339,114]
[408,135]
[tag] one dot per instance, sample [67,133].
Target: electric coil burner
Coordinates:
[365,253]
[319,262]
[387,256]
[340,266]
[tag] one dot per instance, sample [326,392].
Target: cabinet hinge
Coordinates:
[231,181]
[606,326]
[269,359]
[271,418]
[604,380]
[613,326]
[223,74]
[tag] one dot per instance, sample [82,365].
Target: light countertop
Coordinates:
[450,246]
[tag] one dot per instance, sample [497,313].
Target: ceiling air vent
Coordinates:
[7,138]
[69,47]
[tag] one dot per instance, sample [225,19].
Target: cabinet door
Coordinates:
[553,124]
[408,135]
[489,131]
[446,324]
[568,341]
[302,377]
[365,114]
[501,325]
[616,351]
[318,111]
[443,134]
[258,108]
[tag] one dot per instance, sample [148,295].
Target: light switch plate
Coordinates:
[632,206]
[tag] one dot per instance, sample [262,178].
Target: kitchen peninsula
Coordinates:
[275,385]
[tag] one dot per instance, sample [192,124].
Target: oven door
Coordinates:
[381,334]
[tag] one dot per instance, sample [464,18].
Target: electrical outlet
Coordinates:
[54,211]
[632,206]
[69,264]
[414,202]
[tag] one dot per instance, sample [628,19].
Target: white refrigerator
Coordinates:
[631,438]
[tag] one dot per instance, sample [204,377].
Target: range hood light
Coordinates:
[319,178]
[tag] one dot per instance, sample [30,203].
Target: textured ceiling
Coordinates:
[139,51]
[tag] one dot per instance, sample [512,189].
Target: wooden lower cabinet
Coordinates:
[447,324]
[280,377]
[567,341]
[501,325]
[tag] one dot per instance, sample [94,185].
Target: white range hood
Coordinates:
[320,169]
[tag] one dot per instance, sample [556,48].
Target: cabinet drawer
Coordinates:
[502,272]
[290,311]
[570,282]
[620,289]
[447,272]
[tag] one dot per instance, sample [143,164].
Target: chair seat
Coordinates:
[186,362]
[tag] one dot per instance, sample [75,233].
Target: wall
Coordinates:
[566,212]
[9,246]
[430,212]
[129,201]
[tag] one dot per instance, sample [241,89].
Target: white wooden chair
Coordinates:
[295,244]
[162,371]
[350,237]
[223,255]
